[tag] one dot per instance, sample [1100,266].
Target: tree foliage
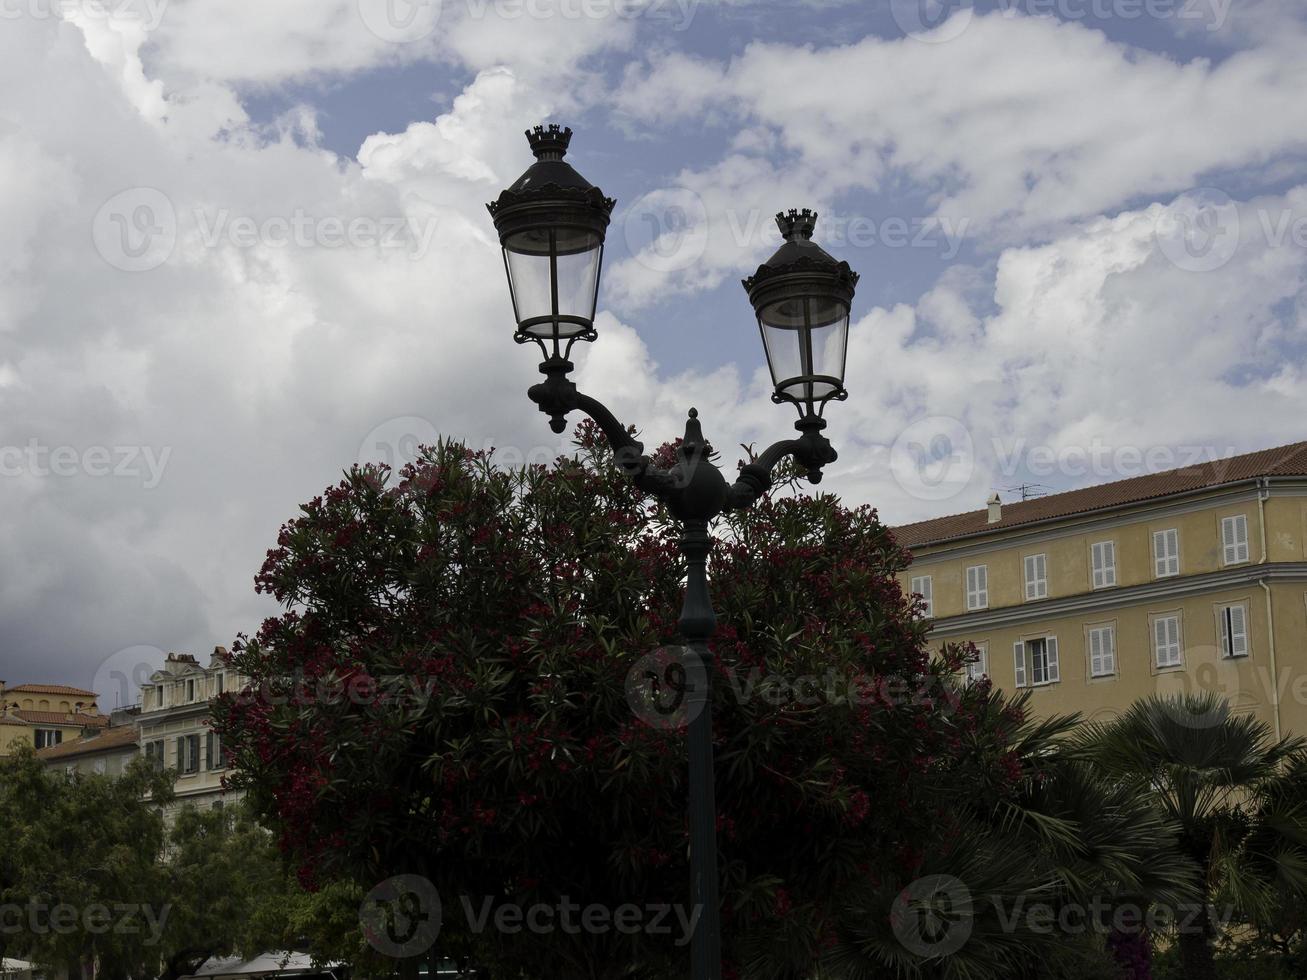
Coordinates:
[446,695]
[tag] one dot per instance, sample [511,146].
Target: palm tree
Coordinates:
[1224,785]
[1069,840]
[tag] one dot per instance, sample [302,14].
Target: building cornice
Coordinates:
[1114,598]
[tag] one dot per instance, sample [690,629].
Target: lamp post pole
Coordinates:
[551,225]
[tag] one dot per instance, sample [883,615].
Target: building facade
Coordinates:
[45,715]
[106,752]
[1189,580]
[174,725]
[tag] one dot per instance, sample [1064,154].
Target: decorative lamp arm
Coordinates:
[811,450]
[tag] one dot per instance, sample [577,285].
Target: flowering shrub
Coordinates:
[445,695]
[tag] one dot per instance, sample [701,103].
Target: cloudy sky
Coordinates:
[243,244]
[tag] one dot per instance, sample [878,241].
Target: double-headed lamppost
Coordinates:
[551,225]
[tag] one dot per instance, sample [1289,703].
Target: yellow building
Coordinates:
[1189,580]
[45,715]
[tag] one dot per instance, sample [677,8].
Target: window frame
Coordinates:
[1153,621]
[1234,522]
[1024,661]
[1169,558]
[1036,585]
[981,592]
[1224,619]
[1108,570]
[970,671]
[1107,657]
[927,595]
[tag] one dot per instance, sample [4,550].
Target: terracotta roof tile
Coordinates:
[1288,460]
[111,738]
[51,689]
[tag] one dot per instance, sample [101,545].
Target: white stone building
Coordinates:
[175,727]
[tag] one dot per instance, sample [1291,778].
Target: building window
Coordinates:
[1234,630]
[214,756]
[188,754]
[922,586]
[47,737]
[158,696]
[219,682]
[190,690]
[977,586]
[1102,651]
[1102,557]
[1166,641]
[979,667]
[1234,539]
[1036,576]
[1166,553]
[154,753]
[1035,662]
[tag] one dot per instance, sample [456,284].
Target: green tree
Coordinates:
[1233,797]
[84,883]
[227,888]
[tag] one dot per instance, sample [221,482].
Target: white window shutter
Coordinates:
[1053,674]
[1109,650]
[1234,538]
[1238,627]
[1019,662]
[1095,652]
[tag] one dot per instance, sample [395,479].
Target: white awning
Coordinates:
[277,964]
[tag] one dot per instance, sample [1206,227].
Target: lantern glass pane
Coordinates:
[805,337]
[578,275]
[528,277]
[534,257]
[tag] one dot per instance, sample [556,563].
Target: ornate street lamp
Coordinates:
[551,224]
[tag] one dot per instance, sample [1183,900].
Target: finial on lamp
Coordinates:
[549,142]
[796,225]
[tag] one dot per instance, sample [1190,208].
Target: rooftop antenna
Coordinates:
[1029,491]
